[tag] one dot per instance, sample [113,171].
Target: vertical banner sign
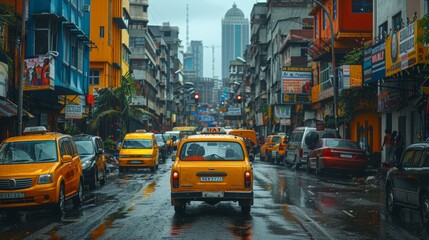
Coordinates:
[39,73]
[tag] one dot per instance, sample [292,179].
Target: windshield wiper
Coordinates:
[21,160]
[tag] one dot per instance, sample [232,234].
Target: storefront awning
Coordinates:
[9,109]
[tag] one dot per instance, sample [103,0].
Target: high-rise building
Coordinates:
[235,37]
[196,49]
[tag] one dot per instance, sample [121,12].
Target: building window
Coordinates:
[138,41]
[66,44]
[334,9]
[361,6]
[73,51]
[382,31]
[94,77]
[42,34]
[324,20]
[396,21]
[304,51]
[167,34]
[101,32]
[316,27]
[80,57]
[125,55]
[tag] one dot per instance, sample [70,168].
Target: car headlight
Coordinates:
[147,156]
[86,164]
[45,178]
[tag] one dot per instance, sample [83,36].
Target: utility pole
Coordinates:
[21,47]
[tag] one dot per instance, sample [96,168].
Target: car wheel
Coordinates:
[245,210]
[180,208]
[318,169]
[104,180]
[152,169]
[60,205]
[391,207]
[78,199]
[424,209]
[94,180]
[308,165]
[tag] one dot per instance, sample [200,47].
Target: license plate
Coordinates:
[11,195]
[211,179]
[136,162]
[213,194]
[346,156]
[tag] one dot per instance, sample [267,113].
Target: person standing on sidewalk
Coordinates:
[387,146]
[399,147]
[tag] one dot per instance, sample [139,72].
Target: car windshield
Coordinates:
[341,144]
[28,152]
[159,138]
[212,151]
[137,143]
[85,147]
[277,139]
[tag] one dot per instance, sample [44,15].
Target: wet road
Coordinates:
[288,204]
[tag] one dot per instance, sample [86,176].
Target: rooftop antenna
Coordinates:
[187,27]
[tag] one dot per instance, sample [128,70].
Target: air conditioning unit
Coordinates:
[86,7]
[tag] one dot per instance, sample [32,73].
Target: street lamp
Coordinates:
[334,79]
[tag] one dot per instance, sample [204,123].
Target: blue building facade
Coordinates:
[56,59]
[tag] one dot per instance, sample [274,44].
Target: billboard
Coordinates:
[296,85]
[39,73]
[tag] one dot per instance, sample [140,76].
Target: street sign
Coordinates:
[73,111]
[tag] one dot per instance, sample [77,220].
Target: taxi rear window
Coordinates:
[211,151]
[137,143]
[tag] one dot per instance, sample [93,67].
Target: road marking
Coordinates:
[347,213]
[312,193]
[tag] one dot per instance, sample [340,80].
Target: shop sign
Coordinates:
[378,61]
[349,76]
[3,79]
[73,111]
[294,81]
[295,98]
[282,111]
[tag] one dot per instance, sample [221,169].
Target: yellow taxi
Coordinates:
[212,167]
[139,150]
[40,168]
[279,150]
[267,147]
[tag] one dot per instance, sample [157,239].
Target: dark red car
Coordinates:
[336,154]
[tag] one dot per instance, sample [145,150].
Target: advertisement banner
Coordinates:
[39,73]
[73,111]
[355,76]
[367,64]
[296,82]
[378,62]
[393,61]
[282,111]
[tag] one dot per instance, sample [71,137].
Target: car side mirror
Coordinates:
[99,150]
[173,158]
[67,158]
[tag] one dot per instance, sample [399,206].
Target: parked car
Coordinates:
[40,168]
[297,149]
[163,150]
[175,138]
[168,142]
[336,154]
[279,150]
[211,167]
[139,150]
[267,147]
[91,152]
[407,184]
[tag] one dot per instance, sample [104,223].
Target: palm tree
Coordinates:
[7,19]
[114,105]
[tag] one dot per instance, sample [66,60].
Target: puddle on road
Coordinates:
[241,227]
[108,223]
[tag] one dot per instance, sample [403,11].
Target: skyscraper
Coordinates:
[235,37]
[196,48]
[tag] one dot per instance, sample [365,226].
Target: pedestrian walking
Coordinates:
[387,147]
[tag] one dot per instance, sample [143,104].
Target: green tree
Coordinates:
[424,24]
[115,105]
[7,19]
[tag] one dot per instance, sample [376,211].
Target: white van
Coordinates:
[297,149]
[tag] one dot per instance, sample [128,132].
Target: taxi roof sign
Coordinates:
[35,130]
[213,130]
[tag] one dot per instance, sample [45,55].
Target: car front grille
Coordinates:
[17,200]
[12,184]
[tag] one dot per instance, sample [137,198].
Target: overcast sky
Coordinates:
[205,19]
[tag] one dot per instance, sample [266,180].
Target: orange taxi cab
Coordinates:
[40,168]
[279,150]
[212,167]
[267,147]
[139,150]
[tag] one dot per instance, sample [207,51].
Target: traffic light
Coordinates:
[239,98]
[196,97]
